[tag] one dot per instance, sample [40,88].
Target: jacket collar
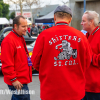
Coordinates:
[61,23]
[93,32]
[16,33]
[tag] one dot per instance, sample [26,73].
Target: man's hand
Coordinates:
[17,85]
[33,68]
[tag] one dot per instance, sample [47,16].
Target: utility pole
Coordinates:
[84,5]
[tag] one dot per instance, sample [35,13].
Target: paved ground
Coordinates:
[35,86]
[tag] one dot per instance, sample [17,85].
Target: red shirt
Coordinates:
[61,54]
[93,72]
[14,60]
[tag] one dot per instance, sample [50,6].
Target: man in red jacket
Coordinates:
[89,22]
[15,67]
[61,55]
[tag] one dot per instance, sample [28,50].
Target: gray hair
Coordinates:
[93,15]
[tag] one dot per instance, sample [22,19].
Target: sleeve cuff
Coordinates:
[13,80]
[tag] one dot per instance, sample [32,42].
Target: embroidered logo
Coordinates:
[18,47]
[66,51]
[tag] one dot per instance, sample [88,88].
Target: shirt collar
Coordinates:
[61,23]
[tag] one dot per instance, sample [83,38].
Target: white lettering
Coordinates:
[75,37]
[55,63]
[64,37]
[69,38]
[74,63]
[60,37]
[8,91]
[79,39]
[3,92]
[50,42]
[70,62]
[66,63]
[57,38]
[59,63]
[54,40]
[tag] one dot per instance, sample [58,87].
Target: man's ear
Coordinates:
[15,26]
[90,22]
[54,17]
[70,20]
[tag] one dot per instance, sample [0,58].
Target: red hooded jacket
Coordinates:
[14,59]
[61,54]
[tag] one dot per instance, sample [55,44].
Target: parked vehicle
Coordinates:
[5,31]
[30,49]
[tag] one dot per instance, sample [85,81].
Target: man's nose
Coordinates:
[81,23]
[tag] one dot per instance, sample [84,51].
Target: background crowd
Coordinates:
[37,29]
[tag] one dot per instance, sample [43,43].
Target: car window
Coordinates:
[6,33]
[33,44]
[1,32]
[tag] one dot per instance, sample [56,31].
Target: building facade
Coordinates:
[38,12]
[77,7]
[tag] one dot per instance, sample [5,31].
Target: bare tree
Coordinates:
[65,2]
[23,3]
[17,2]
[27,3]
[30,3]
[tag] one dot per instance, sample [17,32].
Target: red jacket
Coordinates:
[61,54]
[93,73]
[14,60]
[29,29]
